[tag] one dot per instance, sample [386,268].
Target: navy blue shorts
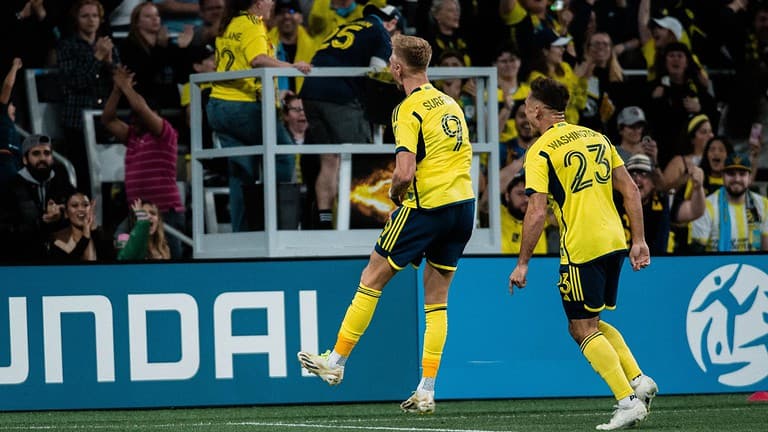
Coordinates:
[439,234]
[587,289]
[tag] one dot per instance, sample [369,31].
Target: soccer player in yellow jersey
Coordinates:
[580,169]
[432,188]
[234,107]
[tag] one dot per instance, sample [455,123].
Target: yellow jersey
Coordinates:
[512,235]
[244,39]
[575,165]
[431,125]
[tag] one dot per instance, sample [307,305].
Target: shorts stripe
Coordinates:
[397,227]
[441,267]
[394,266]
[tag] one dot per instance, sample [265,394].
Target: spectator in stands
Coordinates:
[202,59]
[334,105]
[151,56]
[715,152]
[512,152]
[151,155]
[234,109]
[294,118]
[147,238]
[676,97]
[85,66]
[512,215]
[291,40]
[510,91]
[30,26]
[697,134]
[32,203]
[747,45]
[446,34]
[10,152]
[211,13]
[736,219]
[549,63]
[463,91]
[326,15]
[524,19]
[81,239]
[178,14]
[605,88]
[656,34]
[619,19]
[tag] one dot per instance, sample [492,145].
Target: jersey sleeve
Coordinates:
[405,124]
[536,171]
[255,41]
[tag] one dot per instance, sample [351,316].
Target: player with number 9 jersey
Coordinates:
[431,125]
[574,164]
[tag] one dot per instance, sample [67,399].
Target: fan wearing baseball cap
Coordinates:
[656,33]
[549,63]
[736,219]
[32,204]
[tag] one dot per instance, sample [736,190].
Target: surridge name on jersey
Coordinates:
[571,136]
[435,102]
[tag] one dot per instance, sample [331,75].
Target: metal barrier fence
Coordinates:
[273,242]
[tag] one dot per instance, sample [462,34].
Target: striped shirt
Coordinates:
[746,230]
[150,168]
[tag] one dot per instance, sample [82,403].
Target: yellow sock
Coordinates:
[605,361]
[356,320]
[434,338]
[627,360]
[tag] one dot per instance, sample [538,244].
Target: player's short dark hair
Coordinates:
[551,93]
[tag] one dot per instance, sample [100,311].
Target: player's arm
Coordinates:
[533,225]
[624,184]
[639,255]
[405,169]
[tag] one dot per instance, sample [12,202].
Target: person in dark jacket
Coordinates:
[32,204]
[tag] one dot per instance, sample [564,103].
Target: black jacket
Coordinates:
[23,233]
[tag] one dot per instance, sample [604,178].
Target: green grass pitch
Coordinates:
[729,412]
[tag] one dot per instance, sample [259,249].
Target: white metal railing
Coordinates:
[284,243]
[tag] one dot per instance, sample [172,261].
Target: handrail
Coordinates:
[272,242]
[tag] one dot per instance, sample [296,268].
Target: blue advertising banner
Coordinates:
[695,324]
[217,333]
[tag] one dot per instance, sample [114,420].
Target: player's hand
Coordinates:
[397,199]
[518,278]
[639,255]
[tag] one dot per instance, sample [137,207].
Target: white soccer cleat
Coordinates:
[421,402]
[318,365]
[645,389]
[626,417]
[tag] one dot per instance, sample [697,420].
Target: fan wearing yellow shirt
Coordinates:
[432,187]
[512,215]
[580,169]
[234,108]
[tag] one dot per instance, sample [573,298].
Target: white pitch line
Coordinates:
[373,428]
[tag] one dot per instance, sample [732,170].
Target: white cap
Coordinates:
[671,24]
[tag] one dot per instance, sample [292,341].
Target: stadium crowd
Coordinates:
[679,86]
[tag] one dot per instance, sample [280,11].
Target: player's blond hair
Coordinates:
[414,51]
